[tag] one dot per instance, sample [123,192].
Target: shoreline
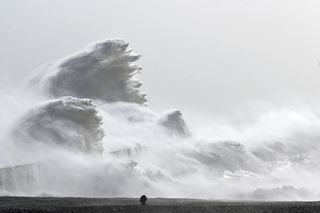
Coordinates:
[158,205]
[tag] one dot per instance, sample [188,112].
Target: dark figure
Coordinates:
[143,200]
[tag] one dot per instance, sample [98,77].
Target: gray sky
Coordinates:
[205,55]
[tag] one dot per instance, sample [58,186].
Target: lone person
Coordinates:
[143,200]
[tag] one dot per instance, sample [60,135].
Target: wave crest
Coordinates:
[66,122]
[104,71]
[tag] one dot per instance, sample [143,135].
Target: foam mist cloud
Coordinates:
[84,129]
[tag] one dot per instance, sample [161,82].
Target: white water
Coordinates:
[103,140]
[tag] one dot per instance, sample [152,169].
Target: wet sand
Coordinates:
[157,205]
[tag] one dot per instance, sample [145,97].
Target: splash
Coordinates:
[68,122]
[174,122]
[104,71]
[84,129]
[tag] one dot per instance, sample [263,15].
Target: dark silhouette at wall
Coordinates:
[143,200]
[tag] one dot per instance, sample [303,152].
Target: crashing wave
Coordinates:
[174,123]
[66,122]
[142,150]
[104,71]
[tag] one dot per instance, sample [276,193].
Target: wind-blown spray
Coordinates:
[84,130]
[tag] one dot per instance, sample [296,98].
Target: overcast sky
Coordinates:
[206,55]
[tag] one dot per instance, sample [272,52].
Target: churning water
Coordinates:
[83,128]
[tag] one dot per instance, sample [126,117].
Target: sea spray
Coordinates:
[103,140]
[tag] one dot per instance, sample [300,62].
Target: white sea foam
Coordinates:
[103,140]
[104,70]
[67,122]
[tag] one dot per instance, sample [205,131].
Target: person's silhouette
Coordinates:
[143,200]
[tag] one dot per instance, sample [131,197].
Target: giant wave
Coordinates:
[92,134]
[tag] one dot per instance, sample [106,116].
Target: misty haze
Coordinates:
[176,99]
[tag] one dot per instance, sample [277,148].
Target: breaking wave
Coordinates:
[84,129]
[104,71]
[67,122]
